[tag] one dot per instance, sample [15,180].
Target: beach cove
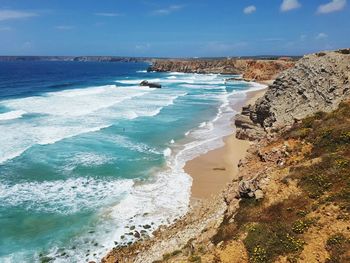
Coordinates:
[70,144]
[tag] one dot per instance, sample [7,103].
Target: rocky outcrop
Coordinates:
[250,188]
[150,84]
[318,82]
[257,70]
[217,66]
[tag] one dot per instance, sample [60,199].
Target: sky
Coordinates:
[173,28]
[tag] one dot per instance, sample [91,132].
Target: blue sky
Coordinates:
[174,28]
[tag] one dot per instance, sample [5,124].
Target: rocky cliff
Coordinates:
[258,70]
[291,202]
[318,82]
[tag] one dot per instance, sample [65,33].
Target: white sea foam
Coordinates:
[136,81]
[168,194]
[187,78]
[64,196]
[68,113]
[158,201]
[155,203]
[203,87]
[125,142]
[167,152]
[74,102]
[90,159]
[12,115]
[202,125]
[177,73]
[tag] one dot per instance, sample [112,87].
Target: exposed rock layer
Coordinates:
[318,82]
[258,70]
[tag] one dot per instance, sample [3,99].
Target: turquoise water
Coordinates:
[86,152]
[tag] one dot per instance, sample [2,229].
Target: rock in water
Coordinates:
[150,84]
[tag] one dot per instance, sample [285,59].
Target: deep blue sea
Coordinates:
[85,152]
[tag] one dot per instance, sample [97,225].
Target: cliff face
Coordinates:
[258,70]
[318,82]
[223,66]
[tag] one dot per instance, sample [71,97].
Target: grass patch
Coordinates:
[302,225]
[265,242]
[338,245]
[194,258]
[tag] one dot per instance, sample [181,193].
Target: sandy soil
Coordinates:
[212,171]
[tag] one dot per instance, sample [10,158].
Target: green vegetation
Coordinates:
[168,256]
[265,242]
[196,259]
[330,136]
[280,229]
[338,245]
[301,225]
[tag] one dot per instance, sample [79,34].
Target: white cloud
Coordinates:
[6,14]
[288,5]
[143,46]
[333,6]
[108,14]
[249,9]
[321,36]
[168,10]
[62,27]
[5,28]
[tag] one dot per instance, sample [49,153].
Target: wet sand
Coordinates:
[212,171]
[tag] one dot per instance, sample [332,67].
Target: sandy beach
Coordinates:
[212,171]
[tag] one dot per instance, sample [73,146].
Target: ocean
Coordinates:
[87,155]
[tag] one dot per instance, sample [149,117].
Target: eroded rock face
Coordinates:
[318,82]
[223,66]
[258,70]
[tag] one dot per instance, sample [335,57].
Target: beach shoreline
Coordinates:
[213,170]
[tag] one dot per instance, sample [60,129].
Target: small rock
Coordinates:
[259,194]
[220,244]
[137,234]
